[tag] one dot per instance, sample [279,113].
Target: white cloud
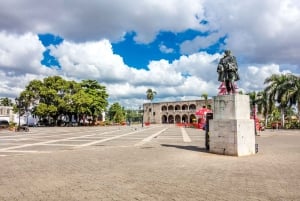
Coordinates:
[263,35]
[95,60]
[20,57]
[188,77]
[200,42]
[254,76]
[78,20]
[91,60]
[259,31]
[21,53]
[165,49]
[202,65]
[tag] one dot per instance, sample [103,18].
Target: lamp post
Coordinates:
[254,116]
[18,105]
[27,108]
[142,113]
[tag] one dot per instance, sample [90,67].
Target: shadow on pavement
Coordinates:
[190,148]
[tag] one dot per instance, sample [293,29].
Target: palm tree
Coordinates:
[263,105]
[253,99]
[150,96]
[276,92]
[292,93]
[205,97]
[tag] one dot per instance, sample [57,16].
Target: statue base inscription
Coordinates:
[232,130]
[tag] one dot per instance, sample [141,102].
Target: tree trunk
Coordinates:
[151,112]
[282,117]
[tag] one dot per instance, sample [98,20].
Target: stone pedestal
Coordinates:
[231,132]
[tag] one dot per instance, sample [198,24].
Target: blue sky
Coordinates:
[47,40]
[137,55]
[165,46]
[170,46]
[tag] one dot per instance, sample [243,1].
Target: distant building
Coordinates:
[6,113]
[173,112]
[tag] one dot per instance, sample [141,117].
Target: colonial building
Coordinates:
[6,113]
[173,112]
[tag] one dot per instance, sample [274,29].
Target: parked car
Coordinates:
[4,124]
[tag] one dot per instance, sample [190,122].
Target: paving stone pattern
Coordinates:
[151,163]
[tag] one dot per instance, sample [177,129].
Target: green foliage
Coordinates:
[150,94]
[97,96]
[55,96]
[283,90]
[6,102]
[205,97]
[116,113]
[133,115]
[275,115]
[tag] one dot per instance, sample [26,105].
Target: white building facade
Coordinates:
[173,112]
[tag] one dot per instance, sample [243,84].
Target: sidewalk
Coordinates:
[158,170]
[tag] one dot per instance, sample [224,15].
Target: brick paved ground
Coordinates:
[156,163]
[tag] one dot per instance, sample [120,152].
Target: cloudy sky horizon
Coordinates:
[170,46]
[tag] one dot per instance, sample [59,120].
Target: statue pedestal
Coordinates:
[231,132]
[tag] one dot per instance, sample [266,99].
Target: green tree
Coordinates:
[275,115]
[150,94]
[252,98]
[51,94]
[116,113]
[82,102]
[55,97]
[263,105]
[6,102]
[133,115]
[205,97]
[276,89]
[291,95]
[259,100]
[98,96]
[44,110]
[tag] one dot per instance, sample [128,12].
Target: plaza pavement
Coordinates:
[159,162]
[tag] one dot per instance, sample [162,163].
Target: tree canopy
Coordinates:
[116,113]
[6,102]
[284,90]
[150,94]
[55,96]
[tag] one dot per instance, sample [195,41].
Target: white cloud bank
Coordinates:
[263,35]
[189,76]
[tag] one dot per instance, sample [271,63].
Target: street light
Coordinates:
[254,116]
[19,108]
[142,112]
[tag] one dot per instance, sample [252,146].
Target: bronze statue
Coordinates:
[228,71]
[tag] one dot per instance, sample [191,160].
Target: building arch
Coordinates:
[164,119]
[170,119]
[170,108]
[193,117]
[160,112]
[192,107]
[185,118]
[177,119]
[185,107]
